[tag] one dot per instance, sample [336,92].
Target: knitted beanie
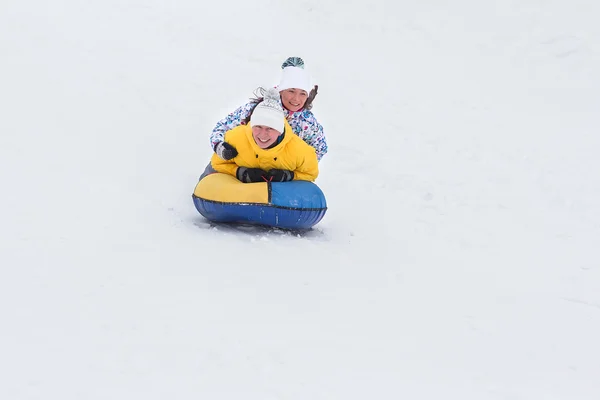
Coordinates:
[294,75]
[269,112]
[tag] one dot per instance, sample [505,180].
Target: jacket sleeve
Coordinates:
[227,166]
[223,166]
[232,120]
[308,166]
[315,136]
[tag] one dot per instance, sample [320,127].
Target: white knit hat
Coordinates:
[269,112]
[294,75]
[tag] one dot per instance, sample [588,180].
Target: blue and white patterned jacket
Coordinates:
[303,123]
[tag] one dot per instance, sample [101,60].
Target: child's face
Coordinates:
[264,136]
[293,99]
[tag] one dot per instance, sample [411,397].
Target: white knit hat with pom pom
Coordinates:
[294,75]
[269,112]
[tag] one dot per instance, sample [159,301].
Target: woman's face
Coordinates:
[264,136]
[293,99]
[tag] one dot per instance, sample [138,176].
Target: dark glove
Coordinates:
[249,175]
[225,151]
[280,175]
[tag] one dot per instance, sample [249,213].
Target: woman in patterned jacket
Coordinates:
[297,96]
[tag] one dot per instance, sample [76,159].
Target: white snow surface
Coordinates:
[460,254]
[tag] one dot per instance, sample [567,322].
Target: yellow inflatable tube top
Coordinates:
[227,189]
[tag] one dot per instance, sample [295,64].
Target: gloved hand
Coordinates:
[225,151]
[280,175]
[249,175]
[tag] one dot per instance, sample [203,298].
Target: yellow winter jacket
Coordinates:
[292,154]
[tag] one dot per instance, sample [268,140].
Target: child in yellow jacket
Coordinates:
[267,149]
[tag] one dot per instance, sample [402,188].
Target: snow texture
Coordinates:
[459,257]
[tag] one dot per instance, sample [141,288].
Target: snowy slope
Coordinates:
[459,257]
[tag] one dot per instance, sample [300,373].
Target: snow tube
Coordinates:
[294,205]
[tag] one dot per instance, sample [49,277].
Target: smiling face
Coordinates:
[264,136]
[293,99]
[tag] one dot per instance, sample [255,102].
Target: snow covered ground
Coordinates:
[459,257]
